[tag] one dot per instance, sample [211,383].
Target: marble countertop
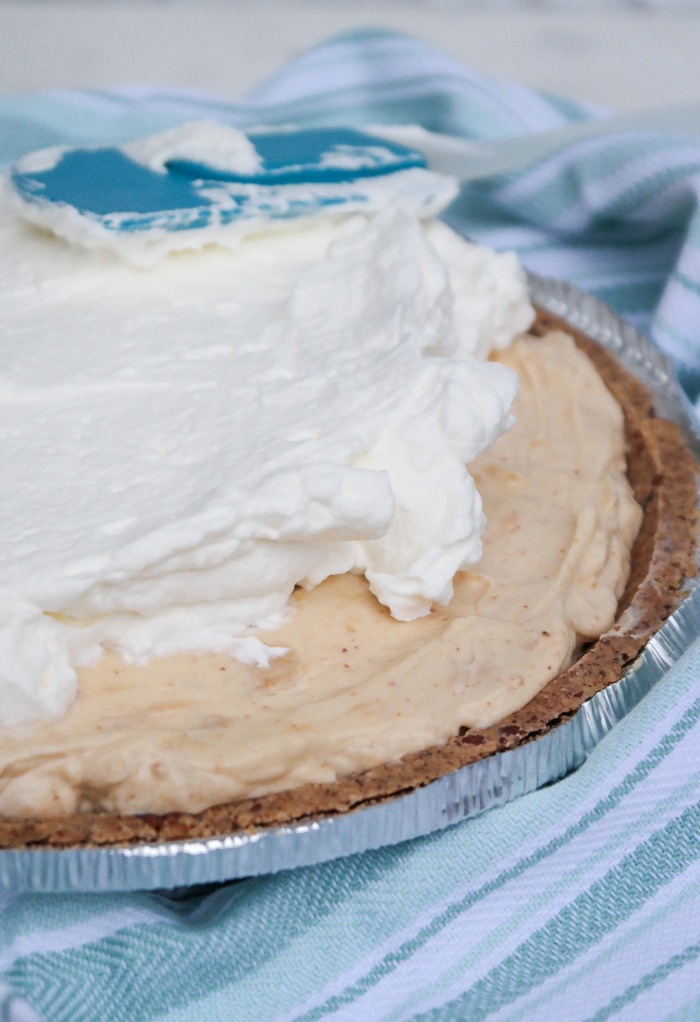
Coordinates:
[628,57]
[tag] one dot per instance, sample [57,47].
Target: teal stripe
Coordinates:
[693,235]
[686,282]
[579,926]
[573,111]
[615,952]
[405,951]
[646,983]
[488,108]
[440,103]
[252,927]
[589,160]
[663,326]
[642,191]
[682,349]
[217,942]
[613,218]
[632,298]
[688,1012]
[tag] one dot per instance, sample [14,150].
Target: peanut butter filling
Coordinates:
[359,688]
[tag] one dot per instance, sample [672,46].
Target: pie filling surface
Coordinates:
[357,688]
[276,351]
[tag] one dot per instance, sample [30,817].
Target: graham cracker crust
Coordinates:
[662,472]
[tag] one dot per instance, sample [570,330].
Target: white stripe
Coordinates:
[357,67]
[533,111]
[552,167]
[601,784]
[665,926]
[15,1009]
[600,192]
[482,937]
[104,104]
[680,308]
[75,936]
[666,202]
[688,262]
[598,195]
[509,237]
[683,356]
[676,991]
[146,95]
[399,59]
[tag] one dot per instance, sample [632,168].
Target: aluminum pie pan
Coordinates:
[466,792]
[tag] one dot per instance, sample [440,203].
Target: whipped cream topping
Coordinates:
[357,688]
[218,146]
[182,446]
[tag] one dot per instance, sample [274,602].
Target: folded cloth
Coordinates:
[577,902]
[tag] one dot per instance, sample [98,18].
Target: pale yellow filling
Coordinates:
[359,688]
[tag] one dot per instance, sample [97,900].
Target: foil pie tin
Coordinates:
[456,796]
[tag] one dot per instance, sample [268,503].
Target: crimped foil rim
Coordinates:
[466,792]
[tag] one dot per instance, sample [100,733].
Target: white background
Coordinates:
[626,55]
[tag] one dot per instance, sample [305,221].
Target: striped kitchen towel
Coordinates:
[578,902]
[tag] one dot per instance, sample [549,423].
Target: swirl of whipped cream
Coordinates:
[184,445]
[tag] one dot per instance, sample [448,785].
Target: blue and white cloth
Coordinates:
[578,902]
